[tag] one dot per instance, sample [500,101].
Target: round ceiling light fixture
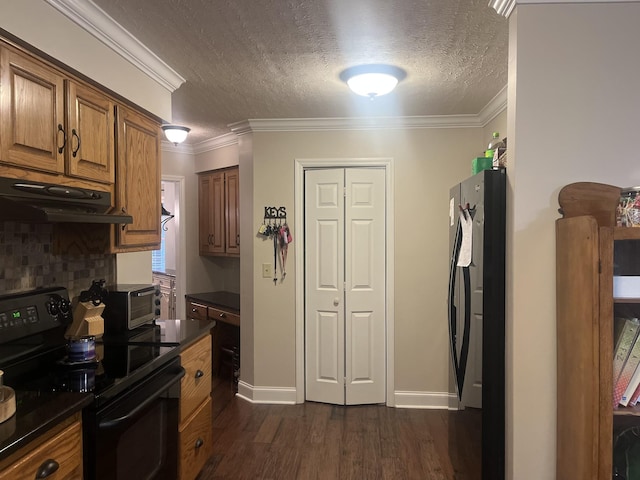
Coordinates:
[175,133]
[372,80]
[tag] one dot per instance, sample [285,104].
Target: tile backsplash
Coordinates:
[27,261]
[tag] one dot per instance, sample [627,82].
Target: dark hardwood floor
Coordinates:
[319,441]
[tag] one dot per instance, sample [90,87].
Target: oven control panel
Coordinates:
[26,313]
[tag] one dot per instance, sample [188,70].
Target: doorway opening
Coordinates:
[168,263]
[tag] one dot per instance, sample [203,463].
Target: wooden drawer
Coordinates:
[196,383]
[221,315]
[65,449]
[196,441]
[196,311]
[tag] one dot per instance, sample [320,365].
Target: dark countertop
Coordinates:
[167,273]
[182,332]
[224,300]
[37,412]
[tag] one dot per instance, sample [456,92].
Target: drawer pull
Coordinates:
[199,373]
[194,310]
[223,315]
[199,442]
[47,468]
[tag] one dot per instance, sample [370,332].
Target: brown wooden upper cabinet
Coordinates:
[53,124]
[218,210]
[138,181]
[58,127]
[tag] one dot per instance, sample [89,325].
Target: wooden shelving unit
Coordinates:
[590,250]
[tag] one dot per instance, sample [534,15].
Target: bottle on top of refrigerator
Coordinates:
[493,144]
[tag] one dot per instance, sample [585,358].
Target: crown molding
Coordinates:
[492,109]
[488,113]
[505,7]
[94,20]
[495,106]
[358,123]
[226,140]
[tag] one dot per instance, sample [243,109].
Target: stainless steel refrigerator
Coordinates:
[476,314]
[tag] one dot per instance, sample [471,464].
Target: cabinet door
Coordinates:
[211,213]
[205,213]
[232,210]
[138,180]
[32,132]
[90,150]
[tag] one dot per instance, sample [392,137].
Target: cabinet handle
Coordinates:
[194,310]
[75,134]
[64,138]
[222,315]
[199,442]
[47,468]
[199,373]
[238,239]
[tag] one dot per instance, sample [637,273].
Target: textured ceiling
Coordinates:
[259,59]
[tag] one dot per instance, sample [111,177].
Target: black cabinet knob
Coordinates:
[199,373]
[47,468]
[199,442]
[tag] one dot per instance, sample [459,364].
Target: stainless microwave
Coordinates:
[127,306]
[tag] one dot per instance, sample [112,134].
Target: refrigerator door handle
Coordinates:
[459,364]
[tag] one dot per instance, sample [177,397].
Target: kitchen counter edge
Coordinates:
[37,413]
[223,300]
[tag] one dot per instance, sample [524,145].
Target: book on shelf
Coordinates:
[625,334]
[625,400]
[634,397]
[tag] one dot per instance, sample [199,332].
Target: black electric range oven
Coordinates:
[130,427]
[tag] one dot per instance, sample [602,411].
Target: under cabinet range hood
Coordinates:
[27,201]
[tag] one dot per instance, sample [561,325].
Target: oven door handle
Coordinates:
[118,419]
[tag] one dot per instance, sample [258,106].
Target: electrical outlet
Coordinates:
[267,270]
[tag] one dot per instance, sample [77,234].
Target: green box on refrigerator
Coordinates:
[481,163]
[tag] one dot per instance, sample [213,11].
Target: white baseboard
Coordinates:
[287,396]
[273,395]
[433,400]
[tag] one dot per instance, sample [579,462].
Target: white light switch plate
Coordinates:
[267,270]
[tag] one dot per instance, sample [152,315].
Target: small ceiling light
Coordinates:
[372,80]
[175,133]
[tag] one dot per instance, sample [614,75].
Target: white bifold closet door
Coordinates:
[345,325]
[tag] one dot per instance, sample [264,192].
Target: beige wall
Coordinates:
[203,274]
[574,111]
[426,164]
[222,157]
[42,26]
